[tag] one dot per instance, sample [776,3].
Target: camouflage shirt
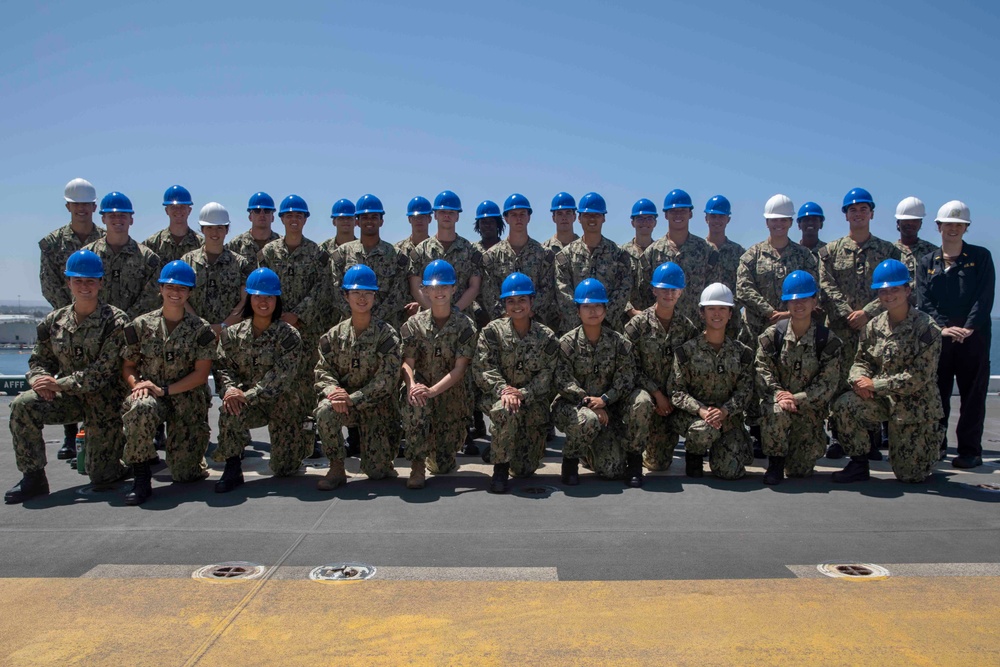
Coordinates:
[245,245]
[706,378]
[911,256]
[218,286]
[305,282]
[265,366]
[762,270]
[83,357]
[813,379]
[165,358]
[405,246]
[654,348]
[367,364]
[699,261]
[168,250]
[845,277]
[635,255]
[461,254]
[434,351]
[815,249]
[533,261]
[585,369]
[130,276]
[528,364]
[391,268]
[56,249]
[607,263]
[555,245]
[730,253]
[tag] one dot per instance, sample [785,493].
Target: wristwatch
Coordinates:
[607,402]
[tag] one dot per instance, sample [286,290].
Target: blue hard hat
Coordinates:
[858,196]
[177,194]
[668,276]
[261,201]
[644,207]
[293,203]
[439,272]
[264,282]
[418,206]
[447,201]
[517,284]
[563,201]
[811,208]
[890,273]
[590,290]
[369,204]
[116,202]
[360,277]
[84,264]
[593,203]
[677,199]
[487,209]
[798,285]
[516,201]
[718,205]
[177,273]
[342,208]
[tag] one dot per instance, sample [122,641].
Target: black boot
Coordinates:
[160,439]
[479,424]
[32,484]
[232,476]
[485,453]
[875,440]
[835,450]
[317,452]
[633,470]
[353,441]
[501,471]
[68,450]
[758,450]
[571,472]
[550,435]
[470,448]
[142,484]
[775,470]
[856,471]
[694,465]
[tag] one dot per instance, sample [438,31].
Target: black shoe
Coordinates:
[498,484]
[232,476]
[571,472]
[160,439]
[775,470]
[875,441]
[479,424]
[758,451]
[353,441]
[485,453]
[68,450]
[855,471]
[694,465]
[142,485]
[943,454]
[32,484]
[633,470]
[550,435]
[470,449]
[835,451]
[966,462]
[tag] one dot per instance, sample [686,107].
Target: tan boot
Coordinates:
[417,475]
[335,476]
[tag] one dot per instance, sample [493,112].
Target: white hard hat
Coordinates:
[910,208]
[716,294]
[779,206]
[79,191]
[213,214]
[953,211]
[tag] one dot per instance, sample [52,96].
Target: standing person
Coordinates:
[489,225]
[893,378]
[655,333]
[563,211]
[73,372]
[593,256]
[909,219]
[178,238]
[845,275]
[713,379]
[798,374]
[356,378]
[343,214]
[643,222]
[595,376]
[56,247]
[168,354]
[260,211]
[718,214]
[810,220]
[418,214]
[259,359]
[957,286]
[436,404]
[515,363]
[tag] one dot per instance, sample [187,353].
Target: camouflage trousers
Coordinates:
[913,446]
[378,450]
[728,450]
[302,384]
[101,418]
[799,437]
[186,416]
[586,438]
[649,433]
[283,418]
[436,431]
[517,439]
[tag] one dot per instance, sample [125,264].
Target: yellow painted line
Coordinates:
[939,621]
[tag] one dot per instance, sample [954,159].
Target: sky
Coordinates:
[336,99]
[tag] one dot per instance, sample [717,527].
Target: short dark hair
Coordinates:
[501,225]
[248,309]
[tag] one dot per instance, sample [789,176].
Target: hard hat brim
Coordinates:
[81,201]
[264,292]
[909,217]
[590,300]
[563,208]
[665,286]
[890,283]
[712,211]
[798,295]
[182,203]
[359,288]
[592,210]
[436,282]
[206,223]
[116,210]
[777,216]
[716,302]
[670,208]
[958,220]
[77,274]
[175,281]
[517,293]
[368,210]
[261,208]
[446,208]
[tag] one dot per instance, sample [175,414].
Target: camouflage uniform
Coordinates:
[815,249]
[533,261]
[391,268]
[699,261]
[555,245]
[168,250]
[405,246]
[330,245]
[902,362]
[436,431]
[813,379]
[244,244]
[635,256]
[585,369]
[528,364]
[723,379]
[130,277]
[264,367]
[84,359]
[730,253]
[218,286]
[911,256]
[654,350]
[607,263]
[461,254]
[164,359]
[762,270]
[367,365]
[56,249]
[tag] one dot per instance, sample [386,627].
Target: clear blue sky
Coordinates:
[332,100]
